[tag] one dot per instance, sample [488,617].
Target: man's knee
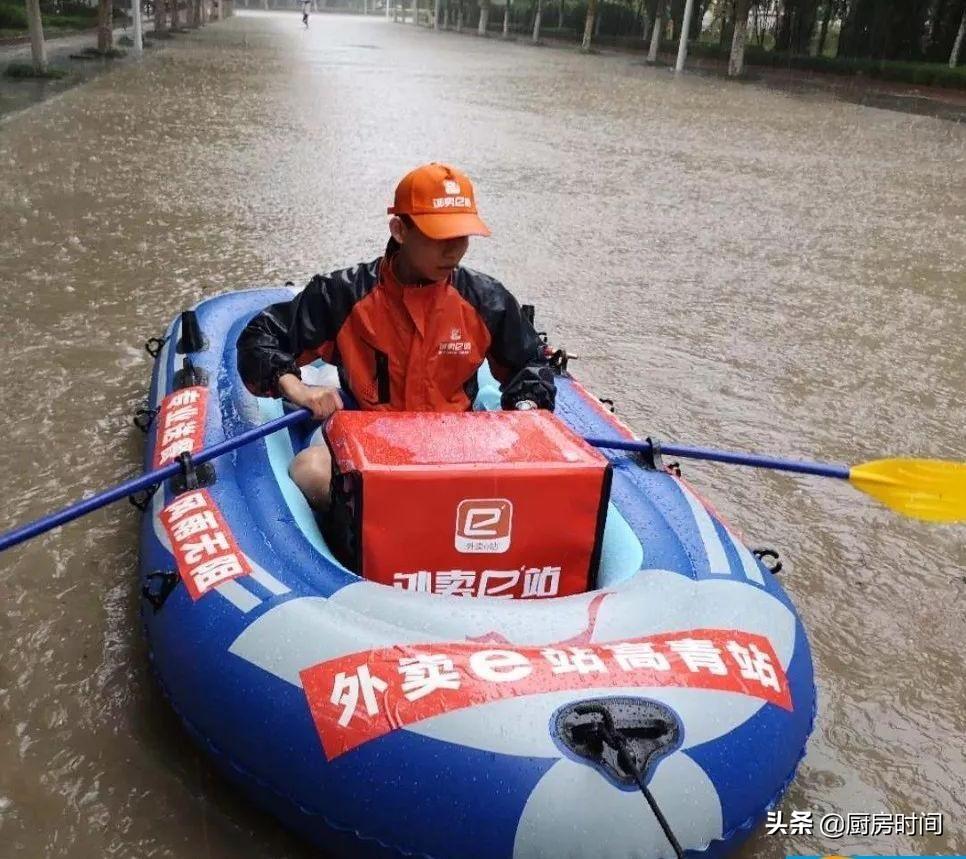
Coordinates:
[312,472]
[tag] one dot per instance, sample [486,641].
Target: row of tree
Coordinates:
[167,16]
[906,30]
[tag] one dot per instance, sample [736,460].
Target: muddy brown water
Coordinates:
[735,266]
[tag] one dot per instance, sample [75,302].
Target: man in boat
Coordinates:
[407,331]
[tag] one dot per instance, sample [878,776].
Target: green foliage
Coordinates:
[13,16]
[70,22]
[65,15]
[922,74]
[568,33]
[94,53]
[68,7]
[25,71]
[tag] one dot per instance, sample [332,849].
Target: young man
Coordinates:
[306,4]
[408,331]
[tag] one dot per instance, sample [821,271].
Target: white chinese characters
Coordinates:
[836,825]
[533,582]
[203,546]
[347,689]
[180,424]
[463,673]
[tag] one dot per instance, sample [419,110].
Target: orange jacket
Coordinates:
[400,348]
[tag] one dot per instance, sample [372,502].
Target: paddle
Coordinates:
[149,478]
[930,489]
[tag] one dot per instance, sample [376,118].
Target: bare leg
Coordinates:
[312,472]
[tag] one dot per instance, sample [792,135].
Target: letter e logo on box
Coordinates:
[483,525]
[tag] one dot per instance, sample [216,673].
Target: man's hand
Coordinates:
[322,401]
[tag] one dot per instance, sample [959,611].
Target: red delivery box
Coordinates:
[508,504]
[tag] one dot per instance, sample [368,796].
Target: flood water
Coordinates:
[735,266]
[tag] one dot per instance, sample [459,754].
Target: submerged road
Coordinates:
[736,266]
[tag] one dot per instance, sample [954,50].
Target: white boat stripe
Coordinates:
[717,559]
[748,562]
[266,579]
[239,596]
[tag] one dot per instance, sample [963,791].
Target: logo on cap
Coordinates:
[450,186]
[483,525]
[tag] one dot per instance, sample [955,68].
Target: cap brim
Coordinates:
[452,225]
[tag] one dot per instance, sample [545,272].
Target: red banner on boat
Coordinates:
[360,697]
[180,424]
[202,543]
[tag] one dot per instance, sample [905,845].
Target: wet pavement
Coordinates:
[62,51]
[737,266]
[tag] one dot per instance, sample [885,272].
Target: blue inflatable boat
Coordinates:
[662,712]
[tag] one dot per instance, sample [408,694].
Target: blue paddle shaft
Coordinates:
[129,487]
[728,456]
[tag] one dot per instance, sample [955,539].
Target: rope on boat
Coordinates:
[617,741]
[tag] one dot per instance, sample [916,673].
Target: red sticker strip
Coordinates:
[362,696]
[180,424]
[202,543]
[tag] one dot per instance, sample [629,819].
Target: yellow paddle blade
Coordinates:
[931,489]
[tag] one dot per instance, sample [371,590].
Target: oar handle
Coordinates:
[129,487]
[729,456]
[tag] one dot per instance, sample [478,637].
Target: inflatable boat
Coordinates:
[656,702]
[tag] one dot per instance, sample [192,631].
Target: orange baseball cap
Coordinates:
[440,200]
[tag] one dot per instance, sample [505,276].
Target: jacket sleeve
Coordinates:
[286,335]
[516,354]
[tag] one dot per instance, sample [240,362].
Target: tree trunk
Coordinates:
[536,21]
[446,14]
[597,18]
[759,31]
[560,14]
[38,48]
[105,26]
[958,44]
[176,16]
[506,19]
[655,36]
[823,33]
[160,17]
[484,17]
[459,16]
[137,28]
[683,42]
[589,25]
[415,13]
[736,63]
[435,14]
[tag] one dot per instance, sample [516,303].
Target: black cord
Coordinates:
[617,741]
